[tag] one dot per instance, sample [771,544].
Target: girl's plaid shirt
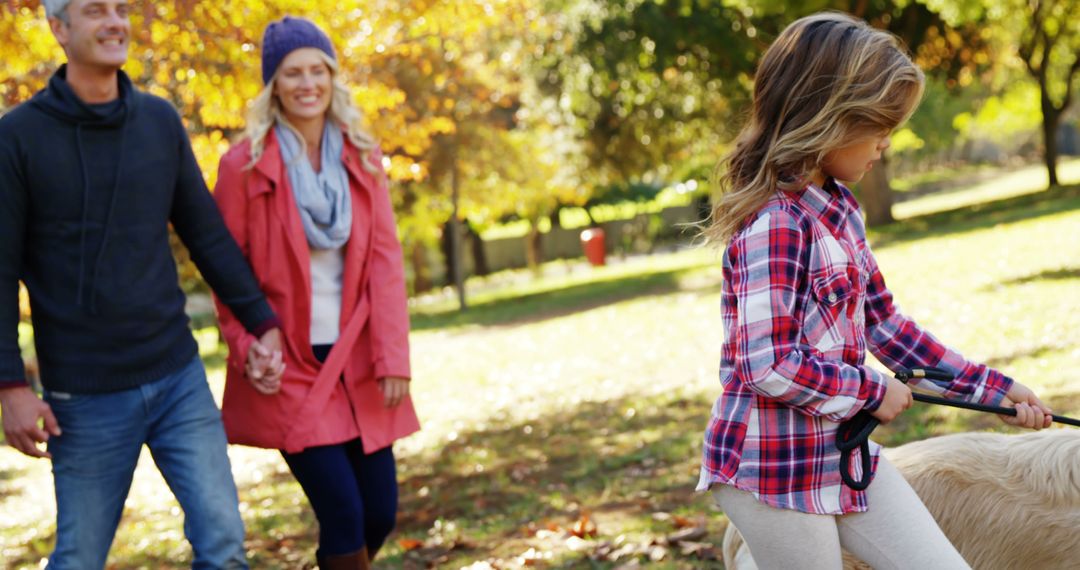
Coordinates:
[802,300]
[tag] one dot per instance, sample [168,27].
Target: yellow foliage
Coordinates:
[420,69]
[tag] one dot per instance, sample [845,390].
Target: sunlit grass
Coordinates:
[1008,185]
[591,400]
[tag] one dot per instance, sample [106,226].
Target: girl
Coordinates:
[802,301]
[305,197]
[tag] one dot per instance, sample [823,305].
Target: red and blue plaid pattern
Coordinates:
[802,301]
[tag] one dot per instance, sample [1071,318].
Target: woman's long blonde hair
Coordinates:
[266,111]
[829,80]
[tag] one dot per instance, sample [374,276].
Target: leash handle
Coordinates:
[855,433]
[985,408]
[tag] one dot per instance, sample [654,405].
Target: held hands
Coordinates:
[22,409]
[897,399]
[394,390]
[264,363]
[1031,413]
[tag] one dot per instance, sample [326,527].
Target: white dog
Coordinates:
[1005,501]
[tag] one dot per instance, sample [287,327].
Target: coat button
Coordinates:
[832,297]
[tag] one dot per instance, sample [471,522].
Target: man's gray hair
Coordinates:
[56,9]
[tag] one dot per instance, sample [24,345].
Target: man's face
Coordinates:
[96,33]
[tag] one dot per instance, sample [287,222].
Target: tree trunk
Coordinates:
[876,194]
[456,265]
[421,275]
[480,263]
[556,222]
[534,251]
[1051,119]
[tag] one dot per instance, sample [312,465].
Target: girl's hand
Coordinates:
[1031,413]
[394,390]
[897,399]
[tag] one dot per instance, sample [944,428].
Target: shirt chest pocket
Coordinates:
[832,292]
[834,280]
[827,313]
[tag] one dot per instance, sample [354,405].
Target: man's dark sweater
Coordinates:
[87,193]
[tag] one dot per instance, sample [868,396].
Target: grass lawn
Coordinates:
[1008,184]
[562,420]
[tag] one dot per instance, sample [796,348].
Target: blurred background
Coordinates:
[548,159]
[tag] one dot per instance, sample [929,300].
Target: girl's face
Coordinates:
[850,163]
[304,85]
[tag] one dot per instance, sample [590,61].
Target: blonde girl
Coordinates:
[802,301]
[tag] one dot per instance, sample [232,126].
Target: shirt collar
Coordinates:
[826,202]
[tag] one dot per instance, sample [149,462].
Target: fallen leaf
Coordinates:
[584,527]
[702,550]
[681,522]
[687,535]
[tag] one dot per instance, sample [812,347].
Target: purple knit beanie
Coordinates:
[286,35]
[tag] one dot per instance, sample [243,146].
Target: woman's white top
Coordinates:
[327,269]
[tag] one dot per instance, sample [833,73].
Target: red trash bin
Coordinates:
[592,241]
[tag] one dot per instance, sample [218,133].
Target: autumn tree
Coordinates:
[1050,49]
[1045,36]
[660,86]
[425,74]
[651,85]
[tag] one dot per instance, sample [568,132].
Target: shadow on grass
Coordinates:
[492,493]
[9,474]
[554,303]
[619,461]
[1048,275]
[979,216]
[1005,360]
[487,493]
[579,297]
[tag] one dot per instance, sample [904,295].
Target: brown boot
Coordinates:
[355,561]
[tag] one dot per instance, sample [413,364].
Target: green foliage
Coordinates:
[905,140]
[1001,118]
[650,84]
[930,129]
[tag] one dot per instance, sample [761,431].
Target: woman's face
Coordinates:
[852,162]
[304,85]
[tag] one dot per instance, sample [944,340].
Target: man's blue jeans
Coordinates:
[94,460]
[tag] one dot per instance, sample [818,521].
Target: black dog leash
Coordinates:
[855,433]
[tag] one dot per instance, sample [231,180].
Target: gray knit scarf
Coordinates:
[323,197]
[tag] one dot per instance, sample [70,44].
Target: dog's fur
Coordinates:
[1005,501]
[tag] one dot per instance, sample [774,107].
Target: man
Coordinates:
[92,172]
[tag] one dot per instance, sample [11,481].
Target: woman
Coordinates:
[305,196]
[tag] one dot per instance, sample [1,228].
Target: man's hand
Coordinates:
[1031,413]
[264,362]
[22,410]
[394,390]
[897,399]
